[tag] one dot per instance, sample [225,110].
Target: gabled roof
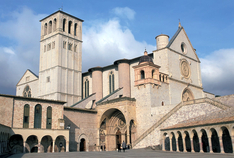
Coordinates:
[25,73]
[181,28]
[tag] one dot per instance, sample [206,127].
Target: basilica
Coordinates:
[155,100]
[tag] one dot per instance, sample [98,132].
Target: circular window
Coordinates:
[185,69]
[183,48]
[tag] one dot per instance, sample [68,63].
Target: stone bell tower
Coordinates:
[60,58]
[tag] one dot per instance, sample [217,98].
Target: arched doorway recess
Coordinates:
[113,129]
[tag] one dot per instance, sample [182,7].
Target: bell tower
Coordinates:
[60,58]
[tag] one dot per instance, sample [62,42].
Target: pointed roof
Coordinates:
[181,28]
[25,73]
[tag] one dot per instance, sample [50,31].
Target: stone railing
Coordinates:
[176,108]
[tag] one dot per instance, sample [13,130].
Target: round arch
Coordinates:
[60,144]
[16,143]
[46,144]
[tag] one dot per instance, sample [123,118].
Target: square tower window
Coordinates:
[48,79]
[53,45]
[69,46]
[64,44]
[44,48]
[75,47]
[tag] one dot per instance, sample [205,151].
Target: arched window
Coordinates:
[64,25]
[54,25]
[69,26]
[49,118]
[153,73]
[111,82]
[160,77]
[142,74]
[75,29]
[86,88]
[27,92]
[26,116]
[50,27]
[45,29]
[37,116]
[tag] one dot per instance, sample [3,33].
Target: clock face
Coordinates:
[185,69]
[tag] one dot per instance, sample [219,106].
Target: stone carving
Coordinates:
[185,69]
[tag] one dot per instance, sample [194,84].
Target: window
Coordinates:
[86,88]
[111,82]
[27,78]
[69,46]
[44,48]
[69,26]
[27,92]
[49,118]
[26,116]
[183,48]
[37,116]
[142,74]
[54,25]
[153,73]
[75,47]
[48,79]
[45,29]
[64,25]
[64,44]
[53,45]
[50,27]
[75,29]
[49,47]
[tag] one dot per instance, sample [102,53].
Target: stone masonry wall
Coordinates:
[82,125]
[6,108]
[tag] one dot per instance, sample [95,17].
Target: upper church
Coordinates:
[153,99]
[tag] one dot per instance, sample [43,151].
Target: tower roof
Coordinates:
[145,58]
[60,11]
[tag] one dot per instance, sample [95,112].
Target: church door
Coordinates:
[118,138]
[82,145]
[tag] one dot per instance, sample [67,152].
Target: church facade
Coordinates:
[154,99]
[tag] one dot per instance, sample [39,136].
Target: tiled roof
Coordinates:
[220,116]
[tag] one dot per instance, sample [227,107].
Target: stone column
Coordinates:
[98,140]
[232,137]
[128,135]
[177,145]
[163,144]
[192,147]
[39,147]
[53,146]
[24,147]
[67,146]
[170,140]
[200,142]
[221,144]
[184,144]
[210,145]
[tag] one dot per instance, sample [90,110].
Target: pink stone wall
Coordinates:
[124,78]
[6,107]
[97,83]
[57,113]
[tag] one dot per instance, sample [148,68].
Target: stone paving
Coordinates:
[141,153]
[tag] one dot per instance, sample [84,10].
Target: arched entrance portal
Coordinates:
[113,130]
[82,145]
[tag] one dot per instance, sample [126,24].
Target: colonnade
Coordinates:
[218,139]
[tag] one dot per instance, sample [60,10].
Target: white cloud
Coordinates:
[124,12]
[103,43]
[22,29]
[218,72]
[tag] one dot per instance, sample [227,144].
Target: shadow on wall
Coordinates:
[72,133]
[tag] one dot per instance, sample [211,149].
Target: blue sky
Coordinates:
[121,29]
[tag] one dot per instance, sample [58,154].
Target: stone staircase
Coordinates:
[176,108]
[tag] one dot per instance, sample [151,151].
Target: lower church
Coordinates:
[156,99]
